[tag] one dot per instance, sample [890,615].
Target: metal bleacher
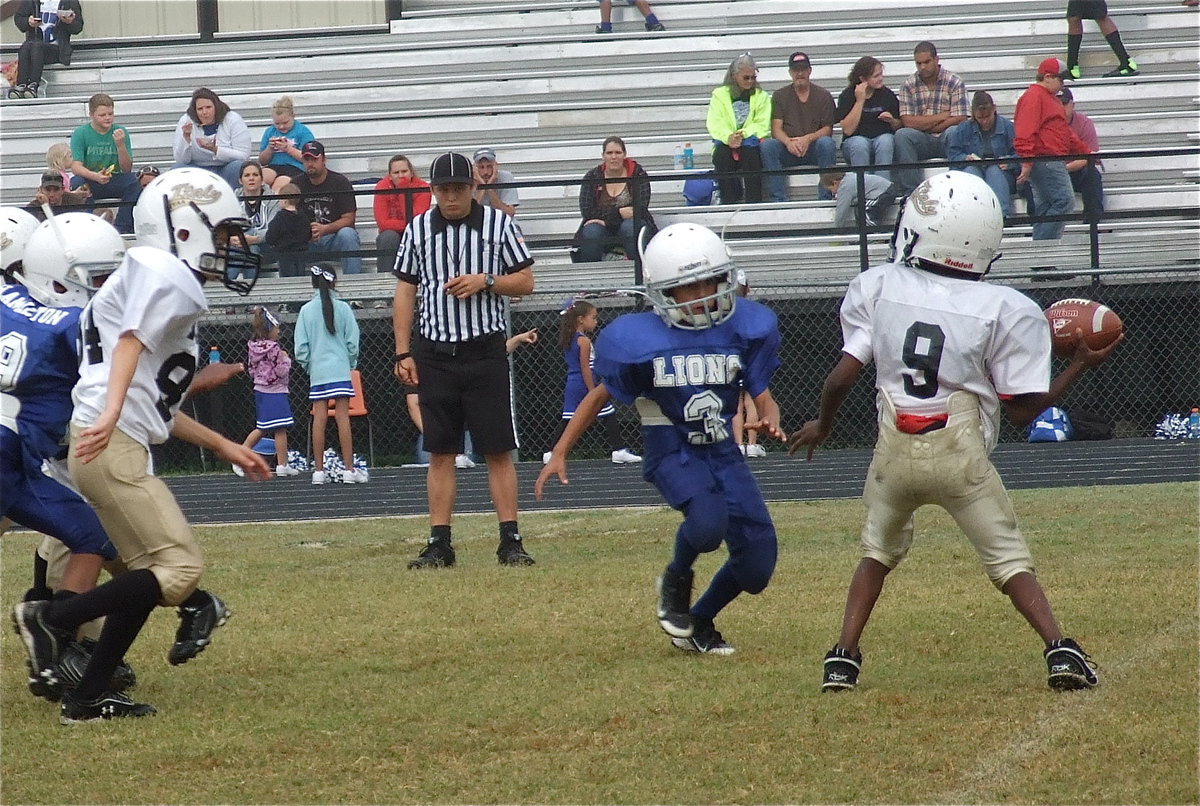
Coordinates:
[531,80]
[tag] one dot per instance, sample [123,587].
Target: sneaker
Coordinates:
[755,451]
[75,658]
[237,471]
[463,462]
[355,477]
[436,554]
[196,626]
[512,552]
[280,470]
[841,670]
[1074,72]
[1070,668]
[44,644]
[546,457]
[320,477]
[705,640]
[109,705]
[602,29]
[625,457]
[15,90]
[1130,68]
[742,448]
[675,603]
[655,26]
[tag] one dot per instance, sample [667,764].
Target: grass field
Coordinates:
[343,678]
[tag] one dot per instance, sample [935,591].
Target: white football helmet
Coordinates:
[951,220]
[16,225]
[682,254]
[68,256]
[195,215]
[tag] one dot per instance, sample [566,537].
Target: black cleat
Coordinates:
[706,640]
[436,554]
[74,661]
[1069,667]
[44,644]
[841,670]
[196,626]
[108,705]
[675,604]
[512,552]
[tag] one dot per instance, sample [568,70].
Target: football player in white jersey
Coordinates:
[138,360]
[950,351]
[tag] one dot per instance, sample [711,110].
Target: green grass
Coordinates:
[343,678]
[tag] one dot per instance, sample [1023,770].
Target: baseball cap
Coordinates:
[485,153]
[450,168]
[1052,67]
[313,148]
[52,178]
[799,60]
[1065,95]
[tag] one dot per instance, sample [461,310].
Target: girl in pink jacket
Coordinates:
[270,368]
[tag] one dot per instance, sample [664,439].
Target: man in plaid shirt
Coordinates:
[932,101]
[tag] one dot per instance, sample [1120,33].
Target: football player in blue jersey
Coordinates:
[684,366]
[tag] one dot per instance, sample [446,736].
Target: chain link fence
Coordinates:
[1153,374]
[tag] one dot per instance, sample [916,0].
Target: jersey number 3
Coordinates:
[923,345]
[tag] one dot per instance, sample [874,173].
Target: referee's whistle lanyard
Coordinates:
[465,238]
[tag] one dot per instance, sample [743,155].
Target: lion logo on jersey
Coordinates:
[923,201]
[184,194]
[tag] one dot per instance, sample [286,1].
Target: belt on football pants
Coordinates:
[920,423]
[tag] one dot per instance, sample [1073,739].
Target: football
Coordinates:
[1100,325]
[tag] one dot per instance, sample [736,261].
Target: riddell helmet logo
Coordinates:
[922,201]
[958,264]
[183,195]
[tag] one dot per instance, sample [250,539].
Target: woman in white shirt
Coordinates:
[212,136]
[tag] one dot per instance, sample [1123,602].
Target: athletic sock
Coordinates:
[508,530]
[121,628]
[651,19]
[1073,43]
[198,599]
[612,432]
[67,613]
[605,26]
[441,533]
[723,589]
[1114,42]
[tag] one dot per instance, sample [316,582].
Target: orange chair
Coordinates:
[358,408]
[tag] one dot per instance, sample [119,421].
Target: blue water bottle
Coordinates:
[689,158]
[214,355]
[1193,429]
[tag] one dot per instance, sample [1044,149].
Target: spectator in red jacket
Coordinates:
[393,211]
[1042,130]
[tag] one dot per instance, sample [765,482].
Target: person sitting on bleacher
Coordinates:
[329,201]
[1085,174]
[986,135]
[615,204]
[739,119]
[212,136]
[932,100]
[48,28]
[487,171]
[279,149]
[289,232]
[802,118]
[869,114]
[393,211]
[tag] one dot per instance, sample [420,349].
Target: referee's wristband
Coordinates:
[400,357]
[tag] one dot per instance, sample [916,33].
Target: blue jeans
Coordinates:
[914,146]
[859,150]
[344,240]
[120,186]
[1001,182]
[775,157]
[1053,195]
[595,240]
[1088,182]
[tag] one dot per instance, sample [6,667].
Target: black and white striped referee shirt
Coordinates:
[434,250]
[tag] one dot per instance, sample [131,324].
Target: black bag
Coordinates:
[1090,425]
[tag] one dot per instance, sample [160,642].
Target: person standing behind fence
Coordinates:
[327,347]
[270,368]
[739,119]
[577,323]
[464,260]
[393,211]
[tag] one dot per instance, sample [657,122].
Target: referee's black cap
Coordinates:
[451,168]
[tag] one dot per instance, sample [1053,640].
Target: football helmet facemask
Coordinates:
[67,258]
[195,215]
[952,220]
[16,225]
[680,255]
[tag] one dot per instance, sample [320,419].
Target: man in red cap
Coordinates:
[1042,130]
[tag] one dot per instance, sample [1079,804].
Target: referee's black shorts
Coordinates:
[465,386]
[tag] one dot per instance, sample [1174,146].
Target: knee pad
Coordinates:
[754,566]
[705,522]
[178,576]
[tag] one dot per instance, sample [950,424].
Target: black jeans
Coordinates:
[749,161]
[32,58]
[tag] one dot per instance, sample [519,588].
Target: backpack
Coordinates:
[699,190]
[1091,425]
[1052,425]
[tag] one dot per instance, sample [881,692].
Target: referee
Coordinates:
[461,260]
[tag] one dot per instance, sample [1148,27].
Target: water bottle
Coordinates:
[689,159]
[679,158]
[214,355]
[1193,430]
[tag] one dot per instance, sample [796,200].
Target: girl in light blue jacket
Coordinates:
[327,348]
